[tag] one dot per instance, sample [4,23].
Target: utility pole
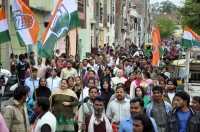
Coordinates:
[7,58]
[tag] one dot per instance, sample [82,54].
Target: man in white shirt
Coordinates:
[94,66]
[86,89]
[88,106]
[56,80]
[118,108]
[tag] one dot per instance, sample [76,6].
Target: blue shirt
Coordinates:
[126,125]
[183,119]
[28,82]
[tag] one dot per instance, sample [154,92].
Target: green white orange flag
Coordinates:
[64,19]
[4,32]
[26,24]
[156,42]
[190,38]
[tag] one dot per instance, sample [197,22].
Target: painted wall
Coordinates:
[83,48]
[89,32]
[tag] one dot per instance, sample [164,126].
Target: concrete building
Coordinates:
[39,8]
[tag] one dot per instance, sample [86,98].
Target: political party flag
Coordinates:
[156,42]
[190,38]
[64,19]
[4,32]
[26,24]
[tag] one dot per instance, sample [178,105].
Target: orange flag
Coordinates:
[156,41]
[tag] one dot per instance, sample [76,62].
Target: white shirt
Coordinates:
[171,96]
[85,93]
[117,111]
[95,67]
[56,83]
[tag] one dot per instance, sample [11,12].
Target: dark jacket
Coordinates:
[193,124]
[83,72]
[106,77]
[166,98]
[106,96]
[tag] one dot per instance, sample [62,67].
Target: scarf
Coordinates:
[107,122]
[137,82]
[67,92]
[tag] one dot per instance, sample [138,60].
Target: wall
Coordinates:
[83,48]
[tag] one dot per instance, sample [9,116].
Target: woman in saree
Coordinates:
[64,104]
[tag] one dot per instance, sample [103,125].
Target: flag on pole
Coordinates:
[190,38]
[26,24]
[4,32]
[64,19]
[156,42]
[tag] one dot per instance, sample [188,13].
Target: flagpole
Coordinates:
[54,65]
[16,72]
[83,122]
[31,71]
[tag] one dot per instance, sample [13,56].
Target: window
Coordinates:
[81,6]
[92,26]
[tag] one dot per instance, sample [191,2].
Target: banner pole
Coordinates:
[31,72]
[16,72]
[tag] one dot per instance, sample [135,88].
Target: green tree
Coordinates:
[166,27]
[164,7]
[190,15]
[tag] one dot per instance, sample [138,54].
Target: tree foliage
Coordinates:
[190,15]
[167,27]
[164,7]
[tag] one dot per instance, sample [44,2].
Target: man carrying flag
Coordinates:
[64,19]
[4,32]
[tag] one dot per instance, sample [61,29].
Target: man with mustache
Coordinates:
[97,122]
[158,108]
[118,108]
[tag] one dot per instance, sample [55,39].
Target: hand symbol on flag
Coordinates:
[22,21]
[61,21]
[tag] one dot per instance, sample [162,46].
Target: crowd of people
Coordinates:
[111,90]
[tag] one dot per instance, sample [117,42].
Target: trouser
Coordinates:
[161,129]
[21,81]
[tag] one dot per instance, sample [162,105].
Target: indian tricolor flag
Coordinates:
[156,44]
[4,32]
[190,38]
[64,19]
[26,24]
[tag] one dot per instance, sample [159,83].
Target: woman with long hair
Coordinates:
[107,74]
[78,86]
[142,123]
[106,91]
[140,93]
[64,104]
